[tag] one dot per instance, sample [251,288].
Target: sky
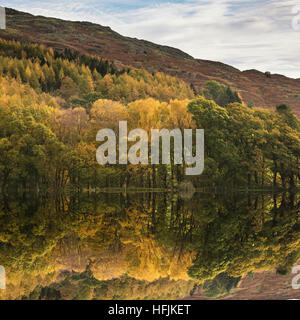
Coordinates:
[257,34]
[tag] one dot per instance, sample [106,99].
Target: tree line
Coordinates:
[52,106]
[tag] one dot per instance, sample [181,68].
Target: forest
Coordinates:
[52,105]
[74,229]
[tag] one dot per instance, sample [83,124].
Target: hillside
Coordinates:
[94,39]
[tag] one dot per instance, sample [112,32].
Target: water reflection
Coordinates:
[144,245]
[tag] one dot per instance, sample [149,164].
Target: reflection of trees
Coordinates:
[246,235]
[146,236]
[41,237]
[84,286]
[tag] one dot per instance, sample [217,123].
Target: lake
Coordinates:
[149,245]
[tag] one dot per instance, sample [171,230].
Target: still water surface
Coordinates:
[144,245]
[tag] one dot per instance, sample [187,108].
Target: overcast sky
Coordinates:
[255,34]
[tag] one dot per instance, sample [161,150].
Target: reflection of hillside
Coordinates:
[265,285]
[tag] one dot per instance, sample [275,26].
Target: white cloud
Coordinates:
[245,34]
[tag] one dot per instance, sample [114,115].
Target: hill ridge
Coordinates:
[264,90]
